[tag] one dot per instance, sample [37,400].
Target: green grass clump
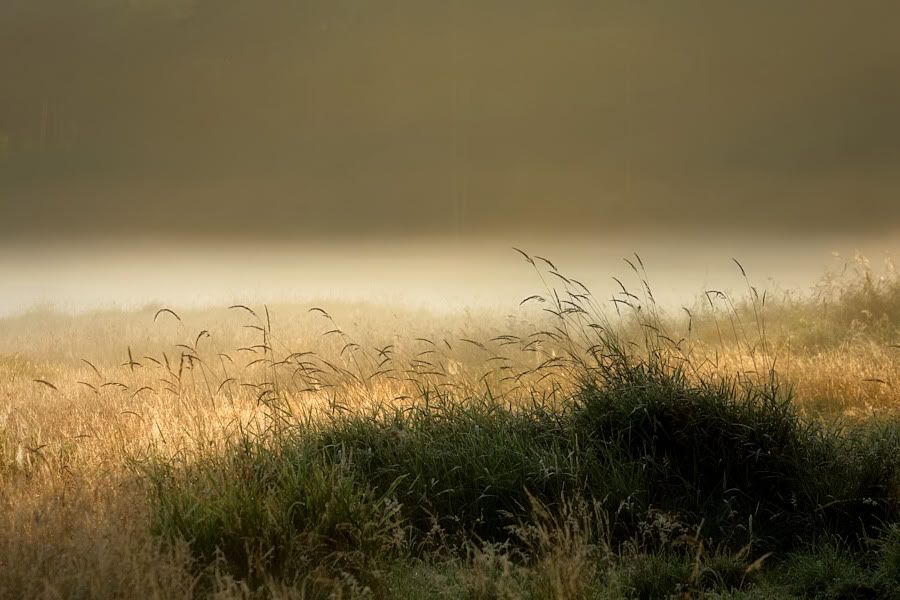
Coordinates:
[663,457]
[275,508]
[830,571]
[740,459]
[667,459]
[469,468]
[415,480]
[735,458]
[659,575]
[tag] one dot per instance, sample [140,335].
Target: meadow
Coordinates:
[570,446]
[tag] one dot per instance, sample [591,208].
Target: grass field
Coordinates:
[570,447]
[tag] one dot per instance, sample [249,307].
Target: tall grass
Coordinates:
[596,449]
[658,446]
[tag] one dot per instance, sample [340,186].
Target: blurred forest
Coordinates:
[430,117]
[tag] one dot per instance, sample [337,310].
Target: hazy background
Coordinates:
[201,150]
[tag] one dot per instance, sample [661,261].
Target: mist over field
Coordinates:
[442,274]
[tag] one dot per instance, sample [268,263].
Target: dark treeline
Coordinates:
[349,116]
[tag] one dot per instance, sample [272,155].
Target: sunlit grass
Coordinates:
[575,447]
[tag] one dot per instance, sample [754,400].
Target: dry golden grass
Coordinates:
[73,411]
[73,517]
[855,380]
